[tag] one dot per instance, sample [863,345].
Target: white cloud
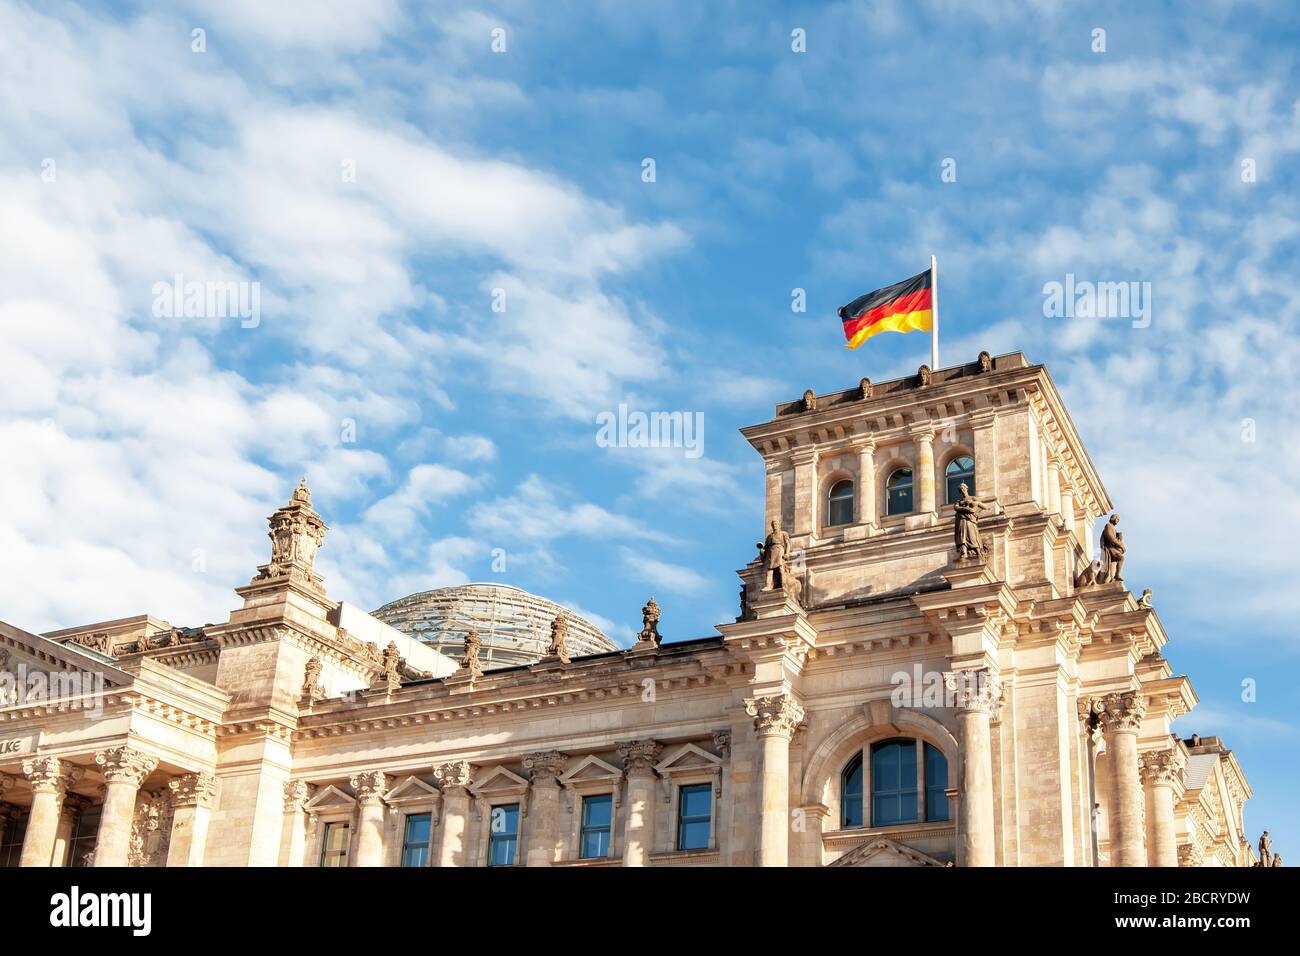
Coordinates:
[538,512]
[661,574]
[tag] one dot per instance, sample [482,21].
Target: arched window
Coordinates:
[851,794]
[839,504]
[960,471]
[936,782]
[893,783]
[899,490]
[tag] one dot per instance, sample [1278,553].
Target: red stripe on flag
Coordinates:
[915,302]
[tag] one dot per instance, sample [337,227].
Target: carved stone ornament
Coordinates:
[369,785]
[778,714]
[966,529]
[1189,854]
[722,743]
[296,793]
[640,756]
[392,667]
[1112,552]
[923,375]
[545,766]
[311,685]
[774,552]
[978,690]
[457,773]
[1145,600]
[193,790]
[985,362]
[125,765]
[99,643]
[864,388]
[51,775]
[1163,768]
[297,533]
[809,400]
[470,663]
[1123,712]
[650,624]
[559,633]
[151,830]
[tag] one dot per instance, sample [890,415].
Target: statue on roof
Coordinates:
[775,552]
[1265,850]
[1112,552]
[986,362]
[470,662]
[650,624]
[809,400]
[924,375]
[966,529]
[392,667]
[864,388]
[559,632]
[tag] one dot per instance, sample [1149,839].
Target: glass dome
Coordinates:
[515,626]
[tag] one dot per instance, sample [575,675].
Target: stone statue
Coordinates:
[1088,576]
[1265,850]
[392,667]
[650,624]
[923,373]
[864,388]
[311,686]
[809,400]
[775,551]
[1277,859]
[966,529]
[1112,552]
[470,662]
[559,631]
[744,604]
[986,362]
[1145,600]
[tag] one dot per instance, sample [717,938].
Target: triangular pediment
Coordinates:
[590,767]
[496,779]
[688,757]
[882,851]
[37,654]
[411,790]
[330,798]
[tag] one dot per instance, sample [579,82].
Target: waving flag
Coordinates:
[902,307]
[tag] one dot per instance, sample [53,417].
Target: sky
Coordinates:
[474,229]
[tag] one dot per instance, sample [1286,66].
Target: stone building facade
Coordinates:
[883,698]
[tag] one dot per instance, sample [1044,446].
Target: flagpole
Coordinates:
[934,314]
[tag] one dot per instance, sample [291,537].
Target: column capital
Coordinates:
[369,786]
[775,715]
[976,689]
[296,794]
[864,446]
[1190,854]
[640,757]
[1122,713]
[193,790]
[545,766]
[1163,768]
[922,433]
[51,775]
[125,765]
[454,777]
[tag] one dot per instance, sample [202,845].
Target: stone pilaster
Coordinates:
[978,695]
[775,719]
[50,779]
[454,779]
[544,840]
[370,788]
[639,759]
[1121,720]
[192,798]
[923,481]
[806,503]
[293,839]
[865,499]
[1162,773]
[1053,487]
[124,769]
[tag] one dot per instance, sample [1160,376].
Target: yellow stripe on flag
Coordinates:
[918,321]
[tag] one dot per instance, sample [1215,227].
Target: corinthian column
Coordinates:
[124,769]
[924,479]
[370,788]
[978,695]
[192,798]
[1162,772]
[293,839]
[775,721]
[454,778]
[866,491]
[543,829]
[50,778]
[1122,718]
[639,759]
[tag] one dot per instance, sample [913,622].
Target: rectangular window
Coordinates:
[694,817]
[334,848]
[893,784]
[11,844]
[503,835]
[597,818]
[415,841]
[84,836]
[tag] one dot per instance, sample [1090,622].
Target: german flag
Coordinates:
[901,307]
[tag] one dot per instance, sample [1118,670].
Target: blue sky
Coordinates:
[143,452]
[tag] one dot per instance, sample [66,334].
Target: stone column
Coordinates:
[293,841]
[866,497]
[73,807]
[50,778]
[978,695]
[1053,487]
[1067,506]
[1162,772]
[192,799]
[454,778]
[806,496]
[1122,718]
[923,480]
[370,788]
[124,769]
[639,759]
[544,837]
[775,721]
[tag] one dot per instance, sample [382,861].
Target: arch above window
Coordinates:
[898,492]
[839,503]
[960,471]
